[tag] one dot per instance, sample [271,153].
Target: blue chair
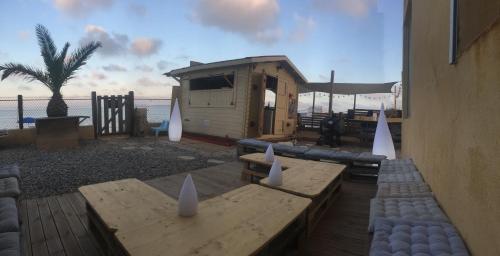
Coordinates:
[162,128]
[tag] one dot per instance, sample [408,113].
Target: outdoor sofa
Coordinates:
[246,146]
[9,212]
[406,219]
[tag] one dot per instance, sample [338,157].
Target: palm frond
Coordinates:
[27,72]
[79,58]
[45,41]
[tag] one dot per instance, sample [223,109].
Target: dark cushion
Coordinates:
[369,158]
[397,237]
[9,171]
[325,154]
[287,149]
[9,187]
[254,143]
[9,218]
[10,244]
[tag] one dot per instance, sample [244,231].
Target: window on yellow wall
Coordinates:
[474,19]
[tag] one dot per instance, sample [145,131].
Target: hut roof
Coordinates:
[197,66]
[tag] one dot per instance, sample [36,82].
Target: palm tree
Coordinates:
[59,69]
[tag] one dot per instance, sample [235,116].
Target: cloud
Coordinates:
[162,65]
[138,9]
[98,76]
[146,82]
[112,44]
[256,20]
[81,8]
[23,35]
[114,68]
[144,68]
[304,26]
[24,88]
[355,8]
[145,46]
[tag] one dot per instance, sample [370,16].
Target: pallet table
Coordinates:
[251,220]
[256,166]
[320,182]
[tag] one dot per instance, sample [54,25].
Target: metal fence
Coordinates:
[35,107]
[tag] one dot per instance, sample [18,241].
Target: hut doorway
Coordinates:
[262,106]
[270,104]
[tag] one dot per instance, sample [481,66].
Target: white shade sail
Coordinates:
[347,88]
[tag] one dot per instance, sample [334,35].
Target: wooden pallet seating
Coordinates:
[139,220]
[9,213]
[247,146]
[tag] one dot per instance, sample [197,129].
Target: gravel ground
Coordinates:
[52,173]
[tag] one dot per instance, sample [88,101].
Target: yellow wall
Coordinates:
[453,132]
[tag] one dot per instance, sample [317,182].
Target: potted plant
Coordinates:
[59,69]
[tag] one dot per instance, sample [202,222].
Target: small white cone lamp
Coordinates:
[175,124]
[269,157]
[382,144]
[188,198]
[275,175]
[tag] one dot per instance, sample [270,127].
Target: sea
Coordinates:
[157,110]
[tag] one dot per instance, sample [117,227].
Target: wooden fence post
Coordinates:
[93,98]
[20,111]
[131,109]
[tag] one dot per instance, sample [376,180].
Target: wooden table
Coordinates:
[245,221]
[319,181]
[257,159]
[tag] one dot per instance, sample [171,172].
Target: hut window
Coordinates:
[212,82]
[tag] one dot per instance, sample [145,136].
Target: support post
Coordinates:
[354,107]
[330,101]
[20,111]
[314,101]
[93,98]
[131,109]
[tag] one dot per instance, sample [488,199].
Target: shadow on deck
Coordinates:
[58,225]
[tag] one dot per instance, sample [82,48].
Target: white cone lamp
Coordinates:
[188,198]
[175,124]
[382,144]
[275,175]
[269,157]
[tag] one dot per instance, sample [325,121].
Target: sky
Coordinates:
[360,39]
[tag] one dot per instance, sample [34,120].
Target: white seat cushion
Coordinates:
[396,237]
[415,209]
[398,177]
[403,190]
[9,187]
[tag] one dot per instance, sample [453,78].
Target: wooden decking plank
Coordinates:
[67,237]
[25,231]
[52,238]
[344,227]
[38,245]
[78,203]
[84,238]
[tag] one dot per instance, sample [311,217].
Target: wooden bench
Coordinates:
[319,181]
[136,219]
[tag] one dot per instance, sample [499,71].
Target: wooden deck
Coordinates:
[57,225]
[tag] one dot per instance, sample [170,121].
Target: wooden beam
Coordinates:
[330,101]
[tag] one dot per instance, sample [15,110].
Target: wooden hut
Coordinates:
[228,98]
